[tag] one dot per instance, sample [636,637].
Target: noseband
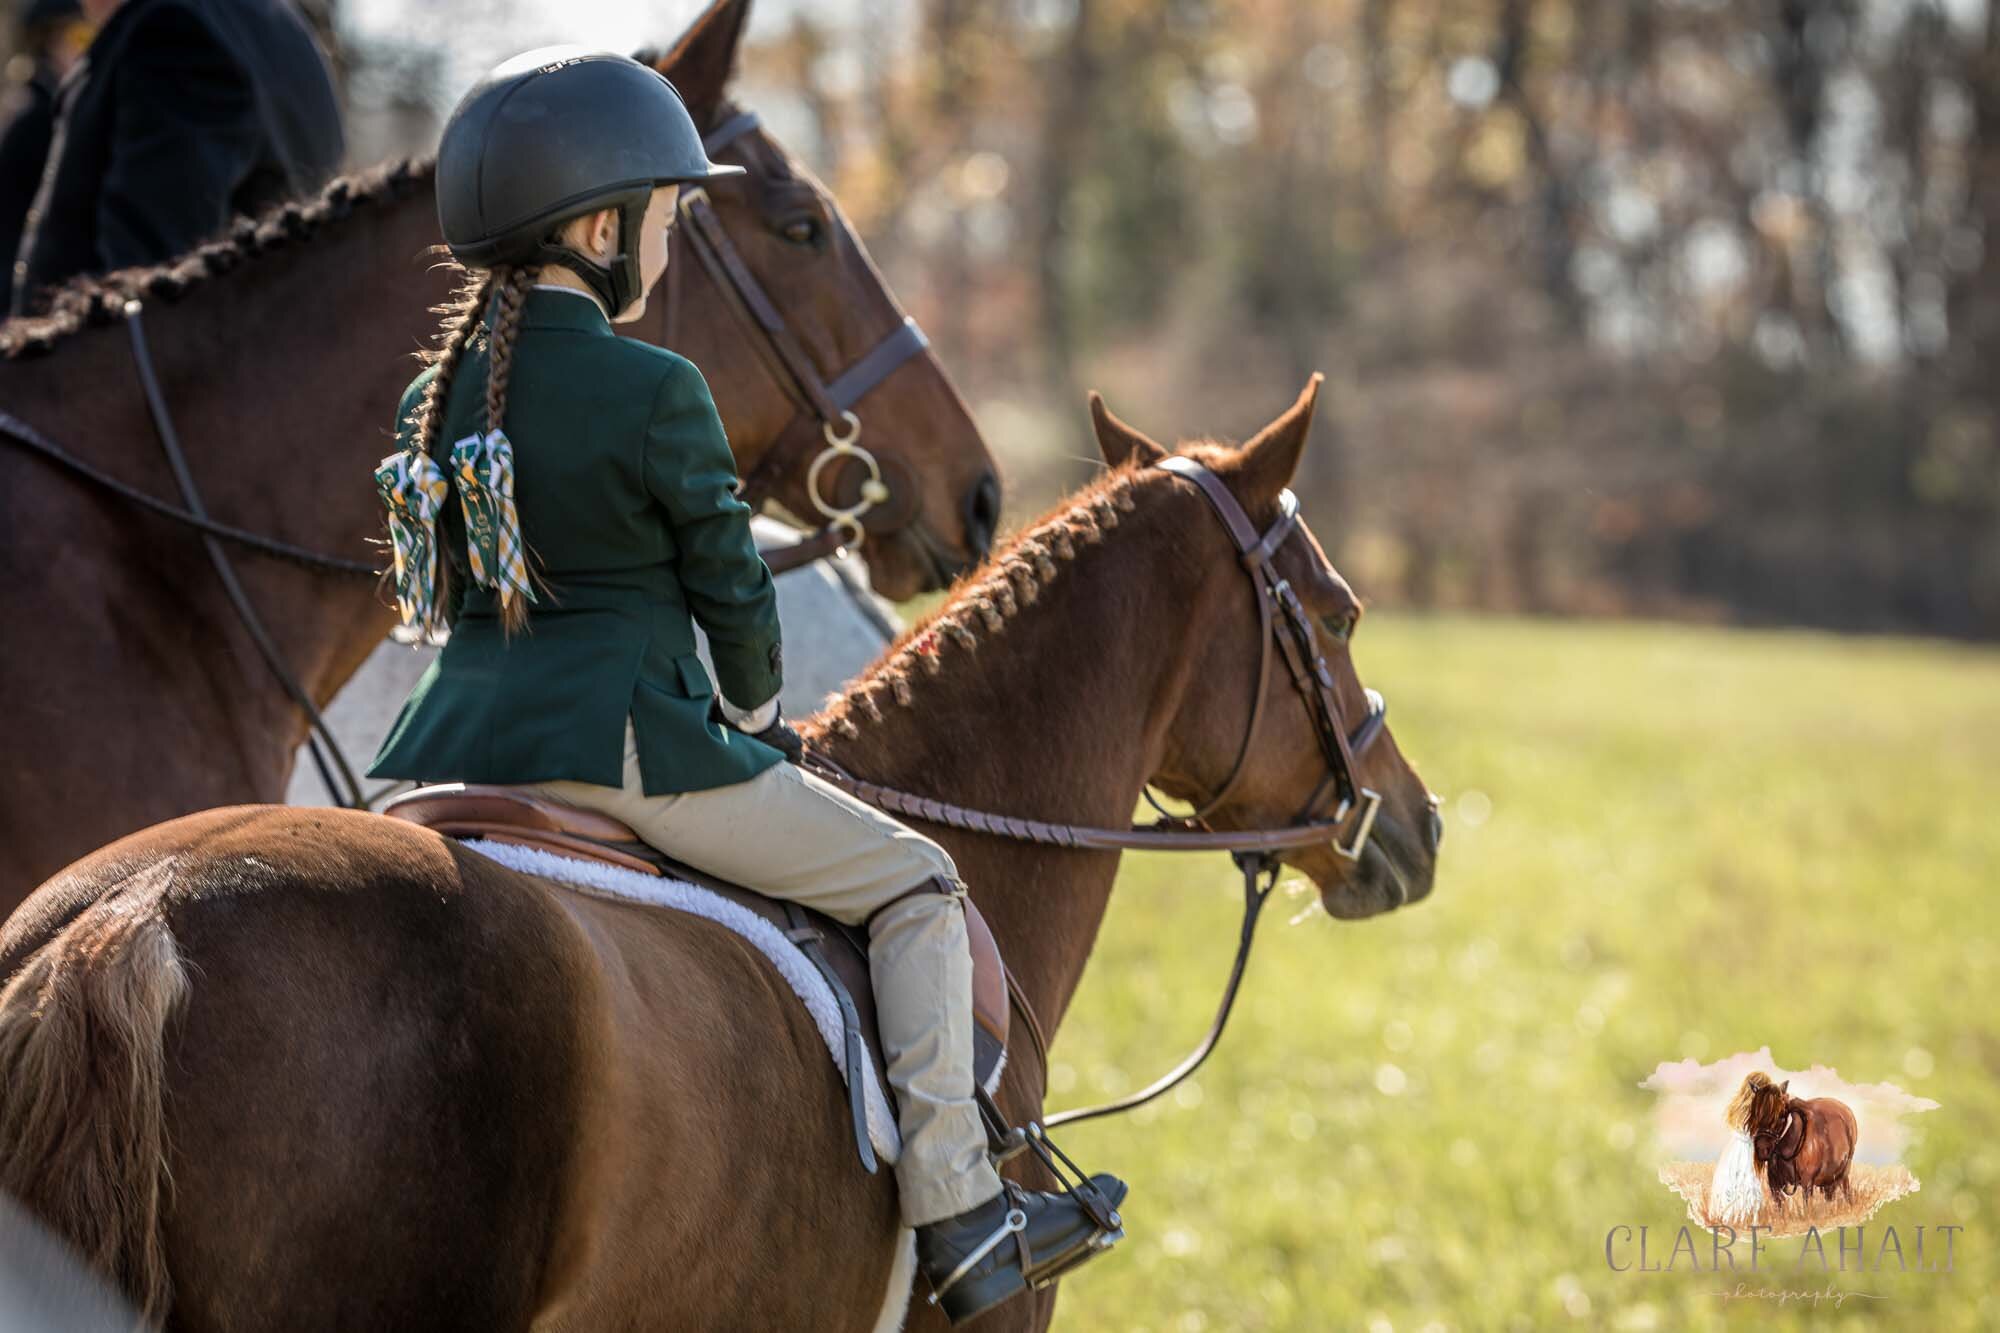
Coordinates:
[826,404]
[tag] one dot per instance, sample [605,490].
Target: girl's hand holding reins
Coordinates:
[778,734]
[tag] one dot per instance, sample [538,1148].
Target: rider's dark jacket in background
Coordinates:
[181,114]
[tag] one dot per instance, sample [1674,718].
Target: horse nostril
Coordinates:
[1434,827]
[982,514]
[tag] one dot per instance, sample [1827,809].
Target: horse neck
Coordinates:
[280,379]
[1060,715]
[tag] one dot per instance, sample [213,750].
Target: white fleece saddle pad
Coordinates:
[681,896]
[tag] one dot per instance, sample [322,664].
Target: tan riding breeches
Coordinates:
[790,835]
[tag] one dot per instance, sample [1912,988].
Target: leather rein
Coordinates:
[827,405]
[1282,620]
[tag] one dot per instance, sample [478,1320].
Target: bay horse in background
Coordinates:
[132,690]
[1802,1144]
[395,1084]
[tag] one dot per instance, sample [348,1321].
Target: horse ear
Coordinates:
[700,63]
[1118,441]
[1786,1086]
[1268,461]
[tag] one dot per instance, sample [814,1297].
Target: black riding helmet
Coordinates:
[554,134]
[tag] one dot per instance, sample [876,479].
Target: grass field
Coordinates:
[1662,842]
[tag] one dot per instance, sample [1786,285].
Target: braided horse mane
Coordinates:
[982,603]
[92,301]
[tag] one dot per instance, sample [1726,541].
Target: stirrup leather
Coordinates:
[1008,1142]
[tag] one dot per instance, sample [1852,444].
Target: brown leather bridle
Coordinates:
[1281,619]
[826,413]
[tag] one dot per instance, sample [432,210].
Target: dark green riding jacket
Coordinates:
[625,487]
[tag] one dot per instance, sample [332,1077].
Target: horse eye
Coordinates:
[1341,627]
[801,231]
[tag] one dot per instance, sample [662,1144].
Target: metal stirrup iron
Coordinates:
[1015,1223]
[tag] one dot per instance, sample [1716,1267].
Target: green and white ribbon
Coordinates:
[483,467]
[413,490]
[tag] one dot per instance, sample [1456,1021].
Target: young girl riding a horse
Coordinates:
[595,524]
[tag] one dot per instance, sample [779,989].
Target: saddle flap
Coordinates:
[845,949]
[507,814]
[467,810]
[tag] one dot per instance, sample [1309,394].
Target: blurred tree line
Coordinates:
[1679,307]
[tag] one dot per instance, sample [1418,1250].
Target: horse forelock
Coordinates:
[94,300]
[1768,1109]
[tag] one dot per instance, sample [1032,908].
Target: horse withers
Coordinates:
[307,1069]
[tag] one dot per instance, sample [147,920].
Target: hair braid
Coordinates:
[460,320]
[510,287]
[513,284]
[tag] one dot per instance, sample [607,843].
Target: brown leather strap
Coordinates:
[712,246]
[1255,895]
[1267,545]
[1166,835]
[785,559]
[1295,636]
[790,452]
[1309,674]
[825,409]
[1032,1021]
[729,131]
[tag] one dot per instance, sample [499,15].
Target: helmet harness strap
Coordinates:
[616,281]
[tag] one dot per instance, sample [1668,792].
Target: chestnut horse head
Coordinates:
[1757,1103]
[1277,774]
[839,324]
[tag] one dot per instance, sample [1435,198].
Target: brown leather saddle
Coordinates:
[838,951]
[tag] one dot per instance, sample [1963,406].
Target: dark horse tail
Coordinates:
[82,1125]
